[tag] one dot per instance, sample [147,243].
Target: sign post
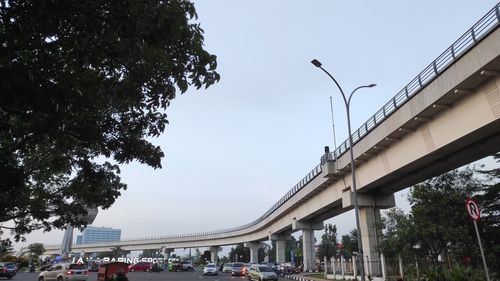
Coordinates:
[475,214]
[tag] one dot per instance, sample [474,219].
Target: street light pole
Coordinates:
[333,128]
[347,102]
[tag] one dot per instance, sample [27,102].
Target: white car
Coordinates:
[228,267]
[210,269]
[261,273]
[65,272]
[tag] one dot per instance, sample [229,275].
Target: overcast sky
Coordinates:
[236,148]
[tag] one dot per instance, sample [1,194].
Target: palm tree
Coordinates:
[118,252]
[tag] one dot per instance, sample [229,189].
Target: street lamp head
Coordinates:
[372,85]
[316,63]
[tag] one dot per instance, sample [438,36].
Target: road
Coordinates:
[147,276]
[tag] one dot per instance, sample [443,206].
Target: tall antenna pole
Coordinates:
[333,128]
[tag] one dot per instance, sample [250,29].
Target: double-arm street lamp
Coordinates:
[347,101]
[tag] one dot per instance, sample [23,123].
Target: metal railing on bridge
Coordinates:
[469,39]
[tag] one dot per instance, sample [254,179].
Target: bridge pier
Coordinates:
[369,217]
[214,253]
[280,240]
[254,250]
[166,253]
[370,205]
[308,252]
[280,250]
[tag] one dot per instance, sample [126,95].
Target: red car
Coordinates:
[140,266]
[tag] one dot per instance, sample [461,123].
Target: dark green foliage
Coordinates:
[272,253]
[398,234]
[441,223]
[239,253]
[224,260]
[438,225]
[291,246]
[151,253]
[297,247]
[6,248]
[36,249]
[350,244]
[490,220]
[328,245]
[83,86]
[118,252]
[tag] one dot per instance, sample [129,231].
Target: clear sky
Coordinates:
[236,148]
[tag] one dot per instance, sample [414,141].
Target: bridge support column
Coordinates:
[369,217]
[214,253]
[308,241]
[280,250]
[308,252]
[67,241]
[166,253]
[371,236]
[280,240]
[254,250]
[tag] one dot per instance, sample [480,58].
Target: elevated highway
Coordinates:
[447,116]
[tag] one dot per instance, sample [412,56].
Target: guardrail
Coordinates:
[469,39]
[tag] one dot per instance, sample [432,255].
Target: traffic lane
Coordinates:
[25,276]
[154,276]
[181,276]
[33,276]
[150,276]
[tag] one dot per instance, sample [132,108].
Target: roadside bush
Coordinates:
[457,273]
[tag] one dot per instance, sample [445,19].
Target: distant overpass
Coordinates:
[447,116]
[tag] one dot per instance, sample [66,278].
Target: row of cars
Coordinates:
[258,272]
[80,271]
[155,267]
[8,269]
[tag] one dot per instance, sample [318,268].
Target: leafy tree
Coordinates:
[36,250]
[399,233]
[118,252]
[85,85]
[5,248]
[23,261]
[449,229]
[298,248]
[328,245]
[272,252]
[224,260]
[239,253]
[438,224]
[490,216]
[201,259]
[9,258]
[350,244]
[197,253]
[291,247]
[151,253]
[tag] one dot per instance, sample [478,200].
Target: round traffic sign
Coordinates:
[473,209]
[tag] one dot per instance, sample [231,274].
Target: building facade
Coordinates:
[92,234]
